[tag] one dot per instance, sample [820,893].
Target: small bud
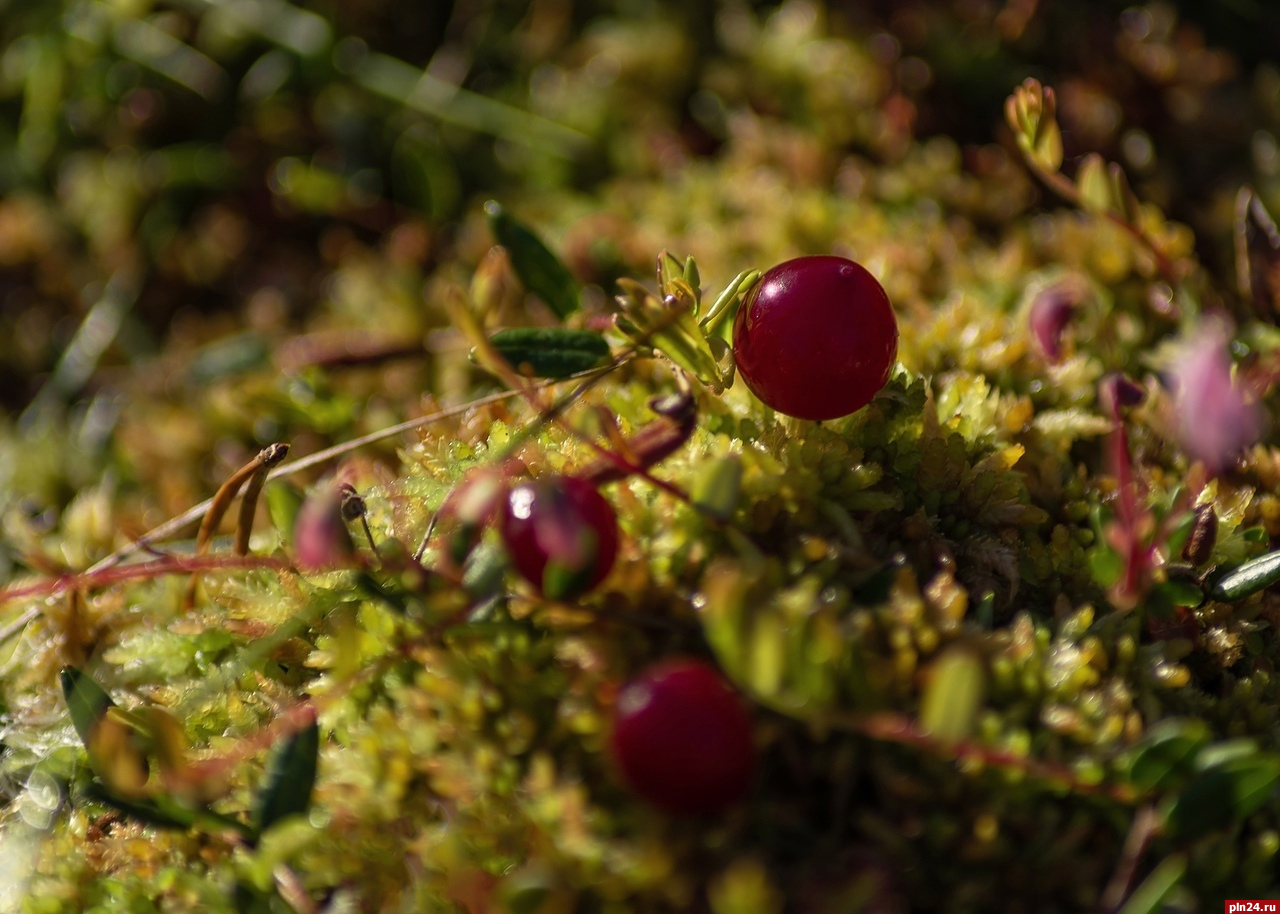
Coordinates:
[1031,112]
[353,505]
[494,286]
[1116,392]
[1204,534]
[321,540]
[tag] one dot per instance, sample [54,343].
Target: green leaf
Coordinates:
[484,570]
[954,695]
[1094,185]
[718,485]
[86,700]
[1105,566]
[1225,752]
[541,271]
[164,811]
[1148,897]
[291,774]
[691,274]
[1245,580]
[730,297]
[284,500]
[1177,593]
[1180,532]
[1048,146]
[1166,753]
[550,352]
[1224,794]
[143,810]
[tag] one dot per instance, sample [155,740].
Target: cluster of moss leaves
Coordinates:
[232,224]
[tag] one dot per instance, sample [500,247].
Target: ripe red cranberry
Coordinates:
[682,738]
[816,338]
[561,534]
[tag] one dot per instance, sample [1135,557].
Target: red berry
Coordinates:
[561,534]
[682,738]
[816,338]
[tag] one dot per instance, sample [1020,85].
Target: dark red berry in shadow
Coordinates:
[561,535]
[682,739]
[816,338]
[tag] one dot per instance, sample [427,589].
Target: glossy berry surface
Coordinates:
[561,535]
[682,738]
[816,338]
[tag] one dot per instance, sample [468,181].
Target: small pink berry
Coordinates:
[561,535]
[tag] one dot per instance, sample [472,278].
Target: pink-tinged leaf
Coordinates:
[1215,421]
[321,540]
[1051,313]
[1116,392]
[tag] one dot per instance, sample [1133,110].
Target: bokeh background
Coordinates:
[225,223]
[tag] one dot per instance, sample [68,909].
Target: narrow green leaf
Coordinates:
[1245,580]
[484,570]
[1225,752]
[164,811]
[1148,897]
[1224,794]
[1180,532]
[1166,753]
[732,294]
[541,271]
[144,811]
[86,700]
[952,699]
[669,269]
[691,275]
[550,352]
[291,774]
[284,500]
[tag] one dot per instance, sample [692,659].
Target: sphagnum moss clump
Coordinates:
[994,656]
